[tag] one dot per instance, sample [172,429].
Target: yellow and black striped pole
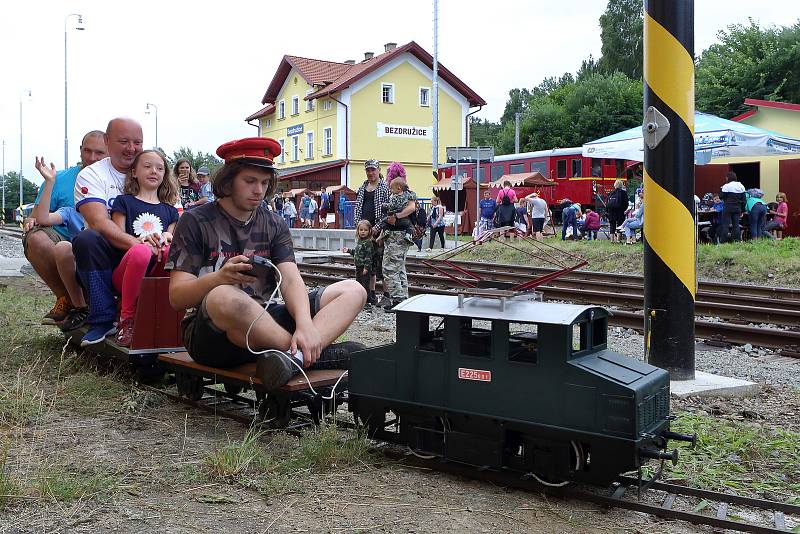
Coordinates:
[670,271]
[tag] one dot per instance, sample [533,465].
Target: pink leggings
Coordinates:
[128,275]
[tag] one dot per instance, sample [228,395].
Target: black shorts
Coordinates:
[208,345]
[538,224]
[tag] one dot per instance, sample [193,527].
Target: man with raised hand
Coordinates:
[40,242]
[229,258]
[100,247]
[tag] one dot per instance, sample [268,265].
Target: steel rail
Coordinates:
[610,296]
[772,338]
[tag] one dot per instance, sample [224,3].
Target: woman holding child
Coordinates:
[396,235]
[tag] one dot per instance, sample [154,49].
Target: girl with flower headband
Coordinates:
[146,211]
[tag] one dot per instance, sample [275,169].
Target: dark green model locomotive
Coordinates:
[514,384]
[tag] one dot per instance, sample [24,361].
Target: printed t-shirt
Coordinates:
[99,182]
[207,236]
[143,218]
[187,194]
[487,206]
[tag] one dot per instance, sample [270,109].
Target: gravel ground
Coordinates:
[11,247]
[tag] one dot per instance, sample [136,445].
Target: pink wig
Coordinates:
[395,170]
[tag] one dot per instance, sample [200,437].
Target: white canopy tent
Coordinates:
[714,138]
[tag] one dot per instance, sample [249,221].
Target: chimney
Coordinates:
[389,47]
[350,62]
[368,55]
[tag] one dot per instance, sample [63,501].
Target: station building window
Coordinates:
[327,105]
[282,157]
[387,93]
[424,96]
[309,103]
[282,109]
[295,105]
[310,145]
[561,168]
[327,141]
[295,147]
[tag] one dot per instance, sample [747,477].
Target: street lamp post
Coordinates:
[78,26]
[147,111]
[21,179]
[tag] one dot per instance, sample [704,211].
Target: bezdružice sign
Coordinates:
[402,130]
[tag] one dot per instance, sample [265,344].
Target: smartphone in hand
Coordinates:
[261,267]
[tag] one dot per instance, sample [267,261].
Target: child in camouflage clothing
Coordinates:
[398,199]
[364,257]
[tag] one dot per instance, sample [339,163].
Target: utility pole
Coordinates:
[670,255]
[516,132]
[435,87]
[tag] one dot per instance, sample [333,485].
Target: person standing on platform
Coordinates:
[370,196]
[487,206]
[539,213]
[733,196]
[39,241]
[616,206]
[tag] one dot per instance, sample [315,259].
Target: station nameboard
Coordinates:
[294,130]
[402,130]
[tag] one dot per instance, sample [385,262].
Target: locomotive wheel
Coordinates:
[233,389]
[190,386]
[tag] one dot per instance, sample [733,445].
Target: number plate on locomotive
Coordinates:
[474,374]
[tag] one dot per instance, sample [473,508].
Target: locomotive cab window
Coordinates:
[475,336]
[522,342]
[577,168]
[599,332]
[431,333]
[580,337]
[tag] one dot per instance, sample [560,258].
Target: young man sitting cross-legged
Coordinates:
[211,277]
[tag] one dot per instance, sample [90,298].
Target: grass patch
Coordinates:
[22,399]
[65,483]
[738,456]
[763,262]
[286,464]
[86,392]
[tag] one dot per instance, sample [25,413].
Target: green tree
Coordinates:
[197,160]
[29,190]
[483,132]
[749,62]
[621,29]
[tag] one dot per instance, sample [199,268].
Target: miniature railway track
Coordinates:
[11,231]
[785,340]
[669,501]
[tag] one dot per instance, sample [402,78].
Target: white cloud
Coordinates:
[206,65]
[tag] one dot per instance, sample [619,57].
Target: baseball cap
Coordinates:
[372,164]
[203,171]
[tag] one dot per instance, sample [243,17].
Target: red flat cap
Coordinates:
[258,151]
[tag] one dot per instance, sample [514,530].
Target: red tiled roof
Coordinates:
[331,76]
[263,112]
[771,104]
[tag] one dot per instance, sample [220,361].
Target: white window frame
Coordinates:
[282,142]
[428,103]
[327,141]
[309,103]
[281,109]
[267,123]
[295,105]
[391,93]
[295,155]
[310,145]
[327,105]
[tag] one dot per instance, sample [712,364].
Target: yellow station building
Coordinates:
[330,117]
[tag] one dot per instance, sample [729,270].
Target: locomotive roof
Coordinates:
[516,310]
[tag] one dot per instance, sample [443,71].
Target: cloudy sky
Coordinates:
[206,65]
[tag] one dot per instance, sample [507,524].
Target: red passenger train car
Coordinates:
[578,178]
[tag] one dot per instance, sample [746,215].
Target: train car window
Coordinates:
[599,332]
[597,168]
[522,342]
[516,168]
[432,337]
[540,167]
[497,171]
[580,337]
[561,168]
[476,338]
[577,168]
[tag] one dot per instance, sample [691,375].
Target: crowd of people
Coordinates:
[99,228]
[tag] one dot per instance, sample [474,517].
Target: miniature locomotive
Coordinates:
[513,384]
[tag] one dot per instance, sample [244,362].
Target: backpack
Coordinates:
[506,201]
